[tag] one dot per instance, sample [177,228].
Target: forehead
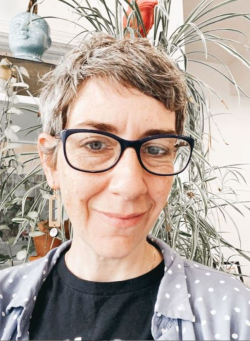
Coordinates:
[127,109]
[26,18]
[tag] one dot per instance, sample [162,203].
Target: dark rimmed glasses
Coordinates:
[95,151]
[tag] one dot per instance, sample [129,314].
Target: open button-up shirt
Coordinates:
[194,302]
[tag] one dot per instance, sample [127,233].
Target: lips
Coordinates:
[22,34]
[120,220]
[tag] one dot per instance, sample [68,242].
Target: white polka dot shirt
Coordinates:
[194,302]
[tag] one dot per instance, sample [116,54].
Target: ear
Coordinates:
[44,142]
[48,43]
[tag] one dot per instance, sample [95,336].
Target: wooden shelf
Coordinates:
[35,69]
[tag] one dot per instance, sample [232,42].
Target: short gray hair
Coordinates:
[131,63]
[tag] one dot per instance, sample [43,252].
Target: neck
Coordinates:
[29,56]
[84,263]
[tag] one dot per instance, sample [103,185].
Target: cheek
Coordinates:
[77,188]
[160,188]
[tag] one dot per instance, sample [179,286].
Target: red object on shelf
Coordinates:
[147,13]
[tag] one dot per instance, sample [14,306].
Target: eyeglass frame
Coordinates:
[124,144]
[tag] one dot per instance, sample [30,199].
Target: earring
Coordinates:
[167,224]
[54,200]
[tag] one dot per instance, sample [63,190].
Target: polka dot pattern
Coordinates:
[206,302]
[181,308]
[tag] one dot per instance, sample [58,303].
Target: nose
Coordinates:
[128,177]
[23,27]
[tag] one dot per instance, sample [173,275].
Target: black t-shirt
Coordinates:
[68,307]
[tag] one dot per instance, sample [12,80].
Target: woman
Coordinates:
[113,115]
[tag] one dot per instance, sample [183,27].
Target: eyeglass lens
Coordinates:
[95,152]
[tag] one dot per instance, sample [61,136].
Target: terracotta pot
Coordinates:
[147,13]
[43,243]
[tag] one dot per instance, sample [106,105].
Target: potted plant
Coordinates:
[11,166]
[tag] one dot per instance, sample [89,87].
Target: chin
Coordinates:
[115,247]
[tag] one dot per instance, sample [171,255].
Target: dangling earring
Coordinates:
[56,200]
[167,224]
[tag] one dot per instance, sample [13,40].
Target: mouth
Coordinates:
[22,35]
[120,220]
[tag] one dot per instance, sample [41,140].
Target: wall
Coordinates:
[230,145]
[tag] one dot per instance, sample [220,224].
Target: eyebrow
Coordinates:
[110,128]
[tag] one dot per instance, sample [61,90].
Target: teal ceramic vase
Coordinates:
[29,39]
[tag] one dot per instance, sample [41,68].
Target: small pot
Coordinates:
[43,242]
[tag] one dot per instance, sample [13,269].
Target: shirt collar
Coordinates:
[30,281]
[172,298]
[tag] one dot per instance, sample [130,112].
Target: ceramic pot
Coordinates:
[29,38]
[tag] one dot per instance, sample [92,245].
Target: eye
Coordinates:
[95,145]
[155,150]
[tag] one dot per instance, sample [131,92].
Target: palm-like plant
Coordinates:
[186,223]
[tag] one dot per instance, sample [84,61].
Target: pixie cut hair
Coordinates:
[131,63]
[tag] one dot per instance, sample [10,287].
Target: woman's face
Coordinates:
[99,205]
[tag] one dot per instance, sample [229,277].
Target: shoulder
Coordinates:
[203,279]
[17,278]
[19,282]
[219,296]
